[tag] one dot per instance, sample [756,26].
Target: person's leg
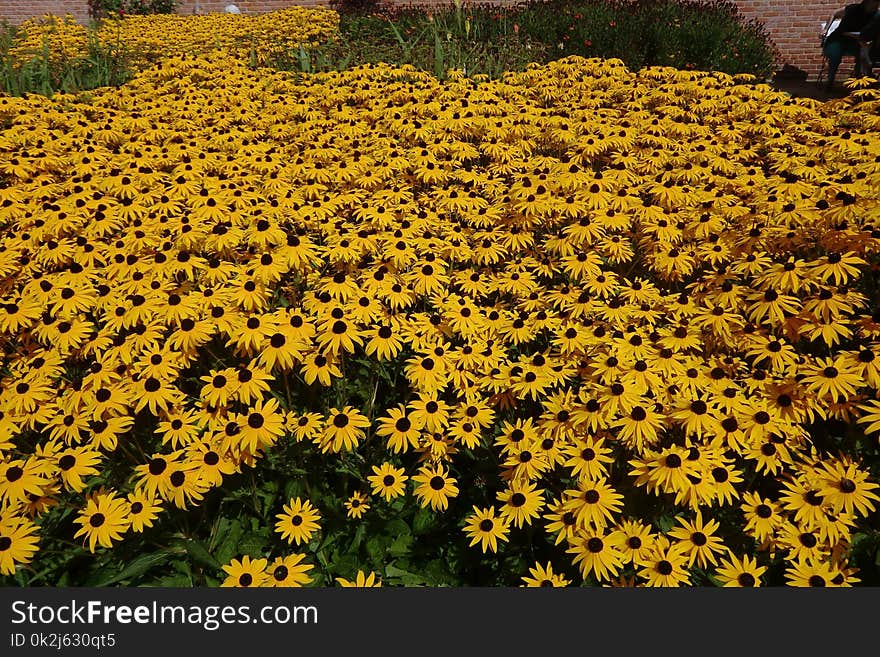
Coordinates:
[834,53]
[864,59]
[851,48]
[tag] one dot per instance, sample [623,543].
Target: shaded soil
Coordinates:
[809,88]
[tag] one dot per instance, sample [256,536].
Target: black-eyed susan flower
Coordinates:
[633,540]
[666,566]
[343,429]
[21,478]
[319,367]
[801,543]
[152,477]
[383,342]
[104,519]
[18,541]
[387,481]
[142,511]
[846,487]
[298,522]
[830,378]
[743,572]
[177,244]
[184,486]
[593,503]
[434,487]
[219,386]
[429,412]
[307,426]
[543,576]
[179,428]
[211,461]
[801,497]
[246,573]
[485,528]
[289,571]
[263,425]
[356,505]
[251,383]
[521,502]
[698,540]
[362,580]
[399,430]
[596,555]
[810,573]
[75,463]
[562,523]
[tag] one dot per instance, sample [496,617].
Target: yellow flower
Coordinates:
[361,580]
[104,519]
[387,481]
[247,573]
[298,522]
[544,576]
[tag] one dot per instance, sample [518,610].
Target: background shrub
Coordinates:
[701,34]
[103,8]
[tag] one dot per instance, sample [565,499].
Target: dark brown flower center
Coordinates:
[595,545]
[746,579]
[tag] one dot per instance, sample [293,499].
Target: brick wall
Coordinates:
[793,25]
[795,28]
[15,11]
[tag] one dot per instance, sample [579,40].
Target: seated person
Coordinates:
[845,40]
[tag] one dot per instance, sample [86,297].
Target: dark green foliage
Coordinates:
[103,65]
[103,8]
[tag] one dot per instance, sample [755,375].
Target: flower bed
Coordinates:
[52,52]
[579,324]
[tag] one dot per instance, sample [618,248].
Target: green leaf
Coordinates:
[423,521]
[136,567]
[344,565]
[437,573]
[358,537]
[376,547]
[401,545]
[665,523]
[229,547]
[175,581]
[201,555]
[292,489]
[404,577]
[252,545]
[398,527]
